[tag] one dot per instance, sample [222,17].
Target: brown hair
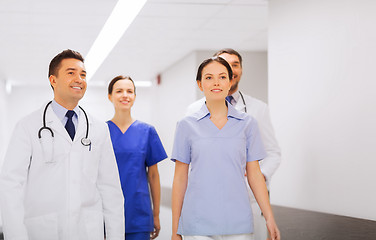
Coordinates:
[229,51]
[55,62]
[117,78]
[210,60]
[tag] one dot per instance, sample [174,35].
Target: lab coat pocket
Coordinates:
[43,227]
[94,225]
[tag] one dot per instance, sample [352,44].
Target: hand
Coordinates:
[273,230]
[157,227]
[176,237]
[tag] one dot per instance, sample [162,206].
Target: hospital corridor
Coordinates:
[121,102]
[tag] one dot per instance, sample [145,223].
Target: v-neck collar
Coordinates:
[231,112]
[117,127]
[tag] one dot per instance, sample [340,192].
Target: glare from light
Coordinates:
[136,83]
[8,87]
[120,19]
[143,83]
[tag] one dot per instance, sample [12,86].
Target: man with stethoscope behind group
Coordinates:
[260,111]
[59,179]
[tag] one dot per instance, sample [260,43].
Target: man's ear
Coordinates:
[199,84]
[52,79]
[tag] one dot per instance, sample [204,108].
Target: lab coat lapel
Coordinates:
[56,125]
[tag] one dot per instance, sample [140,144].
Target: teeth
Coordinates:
[76,88]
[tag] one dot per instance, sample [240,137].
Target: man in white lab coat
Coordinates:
[260,111]
[53,184]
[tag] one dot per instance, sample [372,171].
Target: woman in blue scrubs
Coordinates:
[210,199]
[138,149]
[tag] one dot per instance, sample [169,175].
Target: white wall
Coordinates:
[170,101]
[3,110]
[322,70]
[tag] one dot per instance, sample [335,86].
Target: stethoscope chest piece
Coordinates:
[86,141]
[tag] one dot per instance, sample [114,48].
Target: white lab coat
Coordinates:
[65,193]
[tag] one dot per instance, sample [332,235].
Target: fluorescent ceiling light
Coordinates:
[136,83]
[120,19]
[8,86]
[143,83]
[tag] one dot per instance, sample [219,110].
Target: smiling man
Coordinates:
[60,179]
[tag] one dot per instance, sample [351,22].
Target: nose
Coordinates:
[216,82]
[80,79]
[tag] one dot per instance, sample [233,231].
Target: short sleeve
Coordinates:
[156,152]
[255,146]
[181,150]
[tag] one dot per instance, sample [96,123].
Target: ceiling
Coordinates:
[33,32]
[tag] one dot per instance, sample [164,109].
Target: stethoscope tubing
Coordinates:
[245,105]
[85,141]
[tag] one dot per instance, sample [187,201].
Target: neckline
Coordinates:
[117,127]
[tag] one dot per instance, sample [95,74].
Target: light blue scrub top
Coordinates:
[216,201]
[139,147]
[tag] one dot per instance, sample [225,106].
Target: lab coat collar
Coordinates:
[236,96]
[57,127]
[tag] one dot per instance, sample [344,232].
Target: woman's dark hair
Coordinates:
[117,78]
[210,60]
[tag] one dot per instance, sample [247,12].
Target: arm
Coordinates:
[273,153]
[257,183]
[108,184]
[13,179]
[155,188]
[179,187]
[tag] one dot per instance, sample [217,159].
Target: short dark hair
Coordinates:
[218,59]
[117,78]
[229,51]
[55,62]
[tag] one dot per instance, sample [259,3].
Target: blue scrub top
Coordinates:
[139,147]
[216,200]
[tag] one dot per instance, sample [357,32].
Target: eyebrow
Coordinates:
[73,69]
[213,74]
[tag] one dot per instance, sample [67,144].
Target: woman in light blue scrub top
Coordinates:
[138,149]
[221,144]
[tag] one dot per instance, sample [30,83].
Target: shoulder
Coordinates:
[141,124]
[34,117]
[186,123]
[254,101]
[96,124]
[250,122]
[195,106]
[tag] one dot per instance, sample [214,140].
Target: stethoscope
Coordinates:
[85,141]
[245,105]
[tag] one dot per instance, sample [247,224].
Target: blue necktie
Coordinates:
[229,99]
[69,125]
